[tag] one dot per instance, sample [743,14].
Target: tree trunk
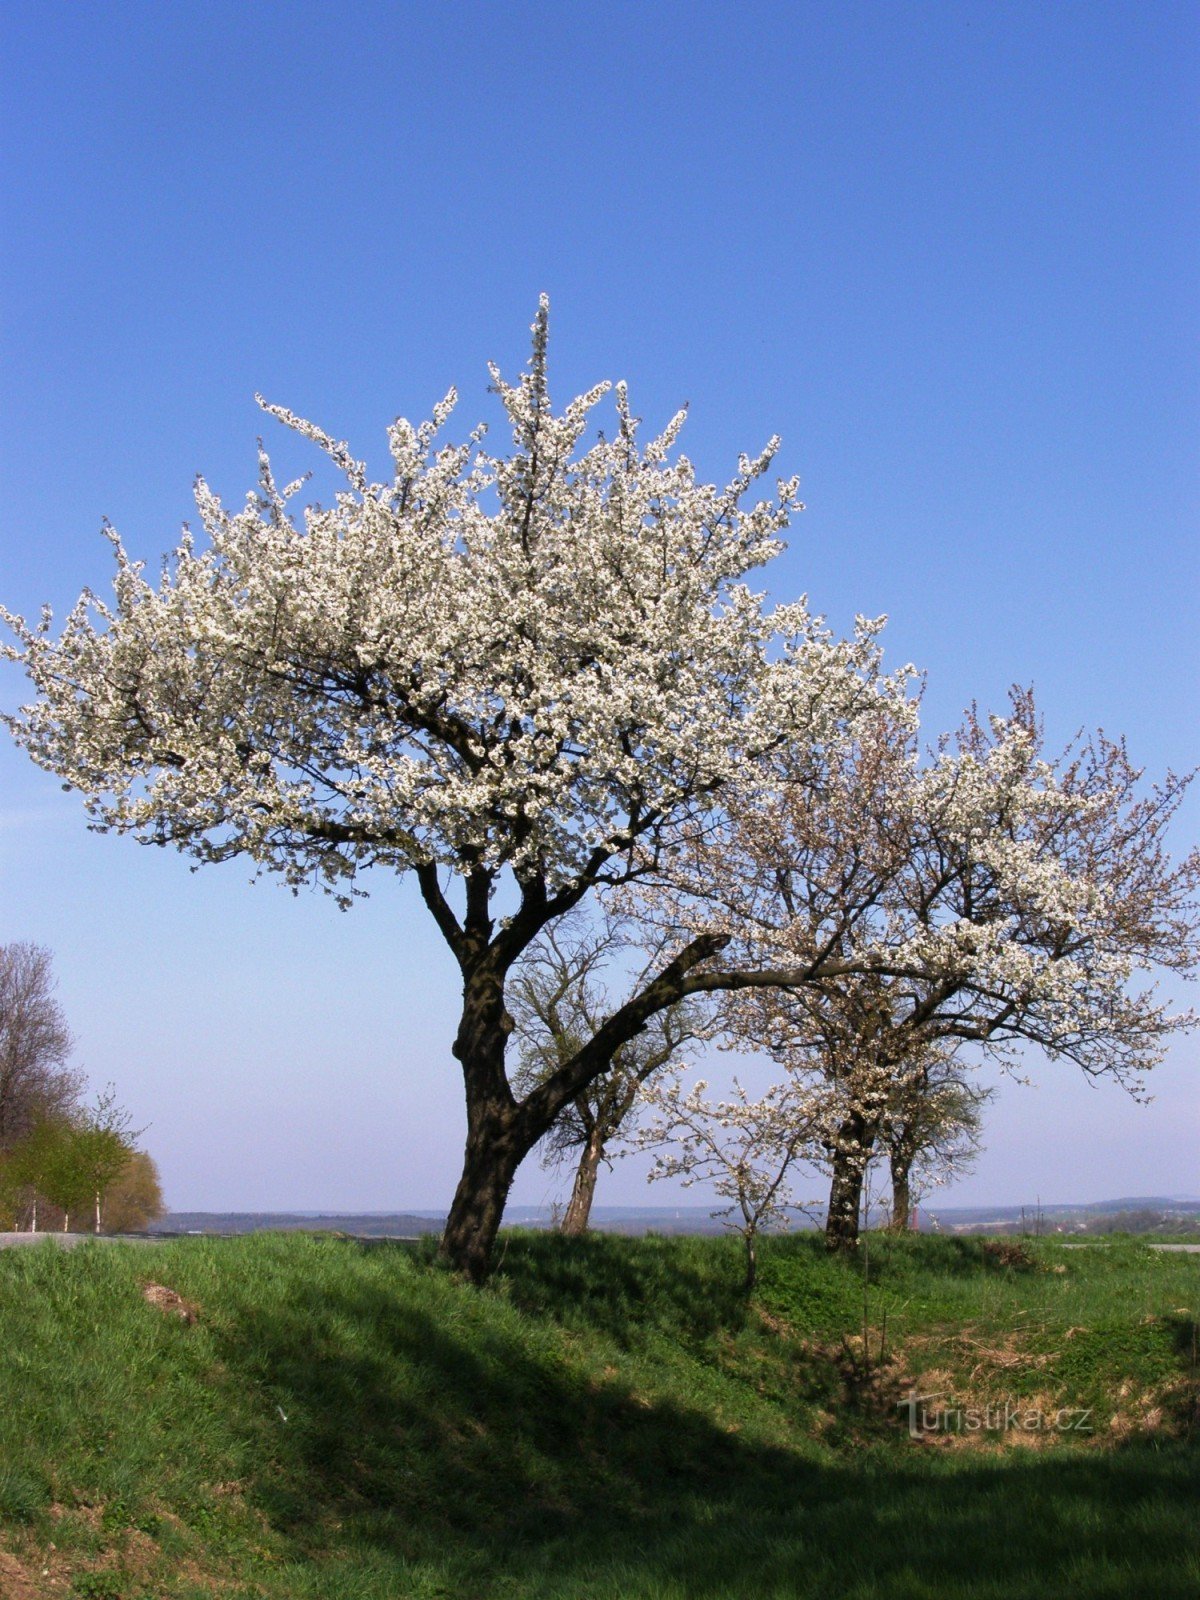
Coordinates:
[583,1191]
[497,1137]
[901,1194]
[490,1163]
[845,1200]
[500,1134]
[751,1259]
[97,1227]
[851,1152]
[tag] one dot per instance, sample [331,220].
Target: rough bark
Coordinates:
[497,1136]
[852,1149]
[492,1156]
[901,1194]
[583,1191]
[501,1132]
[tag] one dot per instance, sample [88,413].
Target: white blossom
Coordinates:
[484,662]
[745,1149]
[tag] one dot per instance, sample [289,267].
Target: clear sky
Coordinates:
[948,251]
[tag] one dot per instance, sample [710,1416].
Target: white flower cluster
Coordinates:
[484,662]
[984,893]
[744,1148]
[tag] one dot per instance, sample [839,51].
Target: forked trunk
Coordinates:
[583,1191]
[500,1134]
[497,1140]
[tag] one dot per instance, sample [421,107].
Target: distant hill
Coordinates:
[1129,1214]
[379,1224]
[1132,1214]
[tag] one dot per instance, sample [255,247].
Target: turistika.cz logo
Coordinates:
[1008,1416]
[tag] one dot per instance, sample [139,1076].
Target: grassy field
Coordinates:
[607,1421]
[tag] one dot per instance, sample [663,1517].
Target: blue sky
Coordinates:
[948,251]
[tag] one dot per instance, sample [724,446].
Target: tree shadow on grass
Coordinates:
[624,1287]
[948,1256]
[1183,1399]
[443,1428]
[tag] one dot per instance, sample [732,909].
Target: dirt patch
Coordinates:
[32,1577]
[774,1324]
[1008,1253]
[169,1303]
[1009,1354]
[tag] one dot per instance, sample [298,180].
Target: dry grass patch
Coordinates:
[169,1303]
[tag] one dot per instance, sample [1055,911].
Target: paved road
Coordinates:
[69,1240]
[1102,1244]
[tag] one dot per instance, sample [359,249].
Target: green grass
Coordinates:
[607,1420]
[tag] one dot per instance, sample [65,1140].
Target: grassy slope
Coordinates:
[606,1420]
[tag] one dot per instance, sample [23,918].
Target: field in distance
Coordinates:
[1176,1215]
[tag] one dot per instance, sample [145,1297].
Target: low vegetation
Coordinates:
[299,1416]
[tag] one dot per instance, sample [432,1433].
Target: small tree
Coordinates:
[99,1149]
[34,1167]
[45,1167]
[134,1199]
[35,1044]
[987,892]
[71,1161]
[745,1148]
[932,1131]
[557,1000]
